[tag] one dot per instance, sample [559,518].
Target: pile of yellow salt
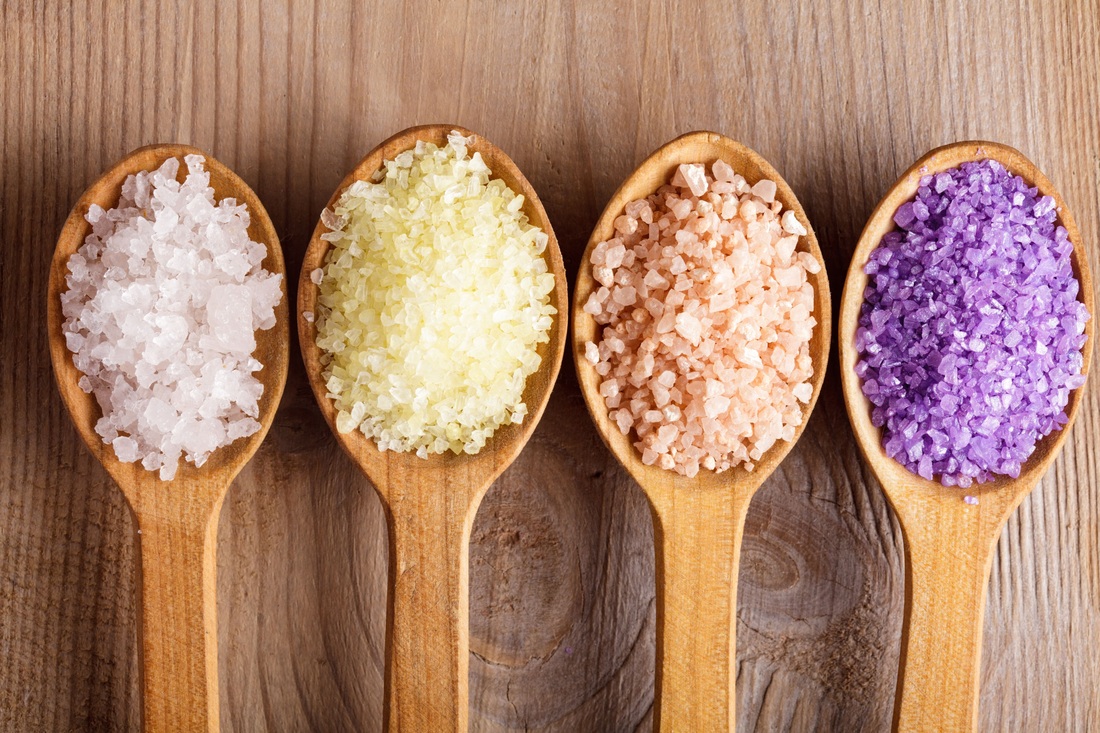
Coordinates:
[433,300]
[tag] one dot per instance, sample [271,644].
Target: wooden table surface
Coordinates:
[840,97]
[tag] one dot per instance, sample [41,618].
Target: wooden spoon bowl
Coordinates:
[431,503]
[698,521]
[176,521]
[949,543]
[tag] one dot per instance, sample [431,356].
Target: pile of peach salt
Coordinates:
[706,313]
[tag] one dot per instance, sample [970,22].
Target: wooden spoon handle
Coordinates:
[178,618]
[949,554]
[698,548]
[428,655]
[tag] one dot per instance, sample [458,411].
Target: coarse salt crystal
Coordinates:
[792,225]
[692,177]
[764,190]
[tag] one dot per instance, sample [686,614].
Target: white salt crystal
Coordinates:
[229,315]
[126,449]
[242,428]
[160,309]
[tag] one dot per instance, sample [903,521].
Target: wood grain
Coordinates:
[290,95]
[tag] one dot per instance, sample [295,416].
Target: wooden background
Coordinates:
[840,97]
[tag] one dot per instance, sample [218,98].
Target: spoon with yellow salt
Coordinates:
[431,502]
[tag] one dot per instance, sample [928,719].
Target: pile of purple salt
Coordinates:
[970,334]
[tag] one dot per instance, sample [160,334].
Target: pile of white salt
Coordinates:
[706,311]
[162,302]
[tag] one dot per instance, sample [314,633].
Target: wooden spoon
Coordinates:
[699,521]
[949,544]
[431,503]
[176,521]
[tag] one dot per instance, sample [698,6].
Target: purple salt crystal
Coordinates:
[1044,205]
[905,215]
[970,332]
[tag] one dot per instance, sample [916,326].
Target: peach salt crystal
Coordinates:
[706,314]
[692,177]
[792,225]
[764,190]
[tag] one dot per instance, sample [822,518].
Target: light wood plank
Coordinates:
[840,97]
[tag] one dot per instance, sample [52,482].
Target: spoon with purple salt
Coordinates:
[158,314]
[965,339]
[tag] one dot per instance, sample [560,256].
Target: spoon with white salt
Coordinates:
[431,502]
[949,541]
[698,522]
[177,520]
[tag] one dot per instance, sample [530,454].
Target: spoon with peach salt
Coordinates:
[965,339]
[701,328]
[430,312]
[169,334]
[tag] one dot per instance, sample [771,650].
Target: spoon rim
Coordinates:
[895,478]
[747,162]
[227,461]
[507,441]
